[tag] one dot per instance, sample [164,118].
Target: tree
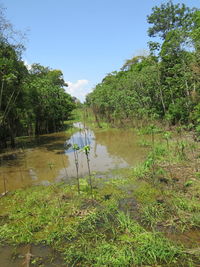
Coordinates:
[51,104]
[164,84]
[12,74]
[169,17]
[173,24]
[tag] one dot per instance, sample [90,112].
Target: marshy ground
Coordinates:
[147,215]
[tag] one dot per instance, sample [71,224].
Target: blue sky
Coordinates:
[86,39]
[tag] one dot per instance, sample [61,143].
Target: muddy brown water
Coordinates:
[25,255]
[50,158]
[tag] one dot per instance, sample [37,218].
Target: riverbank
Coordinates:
[147,215]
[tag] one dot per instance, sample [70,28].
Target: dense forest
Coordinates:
[32,99]
[165,84]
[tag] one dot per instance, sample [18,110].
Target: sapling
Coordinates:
[152,129]
[181,144]
[4,179]
[51,167]
[76,149]
[192,147]
[181,150]
[86,150]
[167,136]
[4,184]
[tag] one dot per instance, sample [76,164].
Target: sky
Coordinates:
[86,39]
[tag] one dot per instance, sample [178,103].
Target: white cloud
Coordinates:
[78,89]
[27,65]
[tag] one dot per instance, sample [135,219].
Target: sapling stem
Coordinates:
[4,184]
[86,149]
[167,136]
[75,149]
[153,150]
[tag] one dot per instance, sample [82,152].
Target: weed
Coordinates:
[152,214]
[188,183]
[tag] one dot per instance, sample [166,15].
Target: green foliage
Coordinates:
[86,149]
[188,183]
[31,102]
[168,17]
[75,147]
[51,104]
[150,129]
[196,118]
[167,136]
[164,84]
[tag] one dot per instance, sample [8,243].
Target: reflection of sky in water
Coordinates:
[81,138]
[33,174]
[100,158]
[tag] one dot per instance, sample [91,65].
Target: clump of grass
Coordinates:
[152,214]
[120,241]
[149,129]
[144,143]
[140,171]
[146,193]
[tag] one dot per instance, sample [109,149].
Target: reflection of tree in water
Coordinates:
[40,160]
[123,144]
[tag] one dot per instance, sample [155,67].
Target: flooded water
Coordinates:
[50,158]
[190,239]
[23,256]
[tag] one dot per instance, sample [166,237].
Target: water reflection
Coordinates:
[50,158]
[83,137]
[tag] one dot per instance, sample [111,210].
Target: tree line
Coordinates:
[165,84]
[33,100]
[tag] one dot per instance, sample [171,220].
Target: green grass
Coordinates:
[89,232]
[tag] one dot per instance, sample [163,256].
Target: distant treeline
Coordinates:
[32,100]
[165,84]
